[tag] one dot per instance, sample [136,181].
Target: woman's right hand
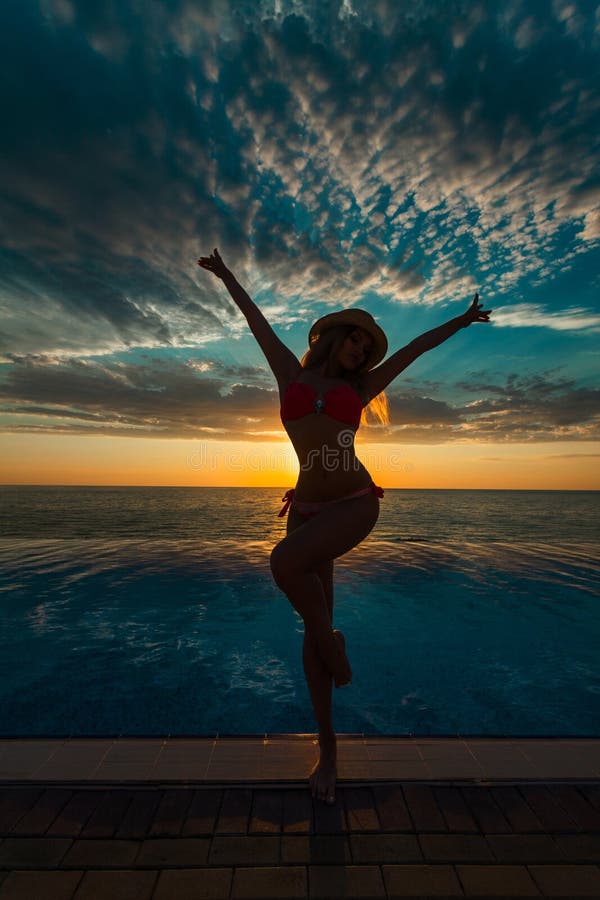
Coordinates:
[475,313]
[214,264]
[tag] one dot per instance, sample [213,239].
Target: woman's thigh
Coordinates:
[324,570]
[322,538]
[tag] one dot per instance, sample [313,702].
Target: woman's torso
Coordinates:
[324,445]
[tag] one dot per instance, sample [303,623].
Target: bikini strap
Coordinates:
[287,498]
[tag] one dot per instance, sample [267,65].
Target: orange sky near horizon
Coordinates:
[398,158]
[84,460]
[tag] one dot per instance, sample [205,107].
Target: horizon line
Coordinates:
[283,487]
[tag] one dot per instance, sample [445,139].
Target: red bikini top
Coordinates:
[340,402]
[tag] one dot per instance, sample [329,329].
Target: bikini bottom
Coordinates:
[312,509]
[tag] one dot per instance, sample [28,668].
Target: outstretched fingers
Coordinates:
[476,313]
[214,264]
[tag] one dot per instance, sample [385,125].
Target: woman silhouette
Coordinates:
[335,503]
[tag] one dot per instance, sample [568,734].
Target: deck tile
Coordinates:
[250,828]
[110,885]
[187,748]
[14,804]
[160,853]
[33,852]
[42,814]
[139,815]
[385,848]
[423,808]
[454,809]
[548,810]
[353,771]
[225,850]
[242,771]
[177,771]
[455,848]
[203,812]
[391,808]
[497,881]
[592,793]
[109,813]
[171,812]
[567,881]
[326,882]
[421,881]
[517,812]
[315,848]
[38,884]
[582,812]
[74,815]
[330,818]
[145,751]
[396,769]
[266,813]
[277,882]
[235,811]
[184,884]
[361,810]
[525,848]
[578,847]
[394,751]
[454,749]
[486,811]
[98,853]
[297,813]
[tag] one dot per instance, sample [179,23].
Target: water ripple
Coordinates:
[192,636]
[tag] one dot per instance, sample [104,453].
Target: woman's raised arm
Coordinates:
[282,361]
[378,379]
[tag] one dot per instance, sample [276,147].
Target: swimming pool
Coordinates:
[191,637]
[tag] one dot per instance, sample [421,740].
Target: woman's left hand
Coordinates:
[475,313]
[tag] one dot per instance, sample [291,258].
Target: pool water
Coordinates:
[191,637]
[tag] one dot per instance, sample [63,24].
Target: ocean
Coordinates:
[130,611]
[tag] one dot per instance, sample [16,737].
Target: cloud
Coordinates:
[409,410]
[381,149]
[338,154]
[156,397]
[533,405]
[573,456]
[203,397]
[533,315]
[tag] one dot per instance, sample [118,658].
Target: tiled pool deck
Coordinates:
[232,817]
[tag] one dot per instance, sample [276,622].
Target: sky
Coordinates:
[395,157]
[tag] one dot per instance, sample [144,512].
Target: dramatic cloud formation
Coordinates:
[177,400]
[392,156]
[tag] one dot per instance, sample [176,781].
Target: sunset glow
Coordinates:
[392,157]
[123,461]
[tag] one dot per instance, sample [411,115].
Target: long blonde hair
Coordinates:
[327,345]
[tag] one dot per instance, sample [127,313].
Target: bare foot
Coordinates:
[344,675]
[323,775]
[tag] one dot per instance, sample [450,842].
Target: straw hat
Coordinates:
[359,318]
